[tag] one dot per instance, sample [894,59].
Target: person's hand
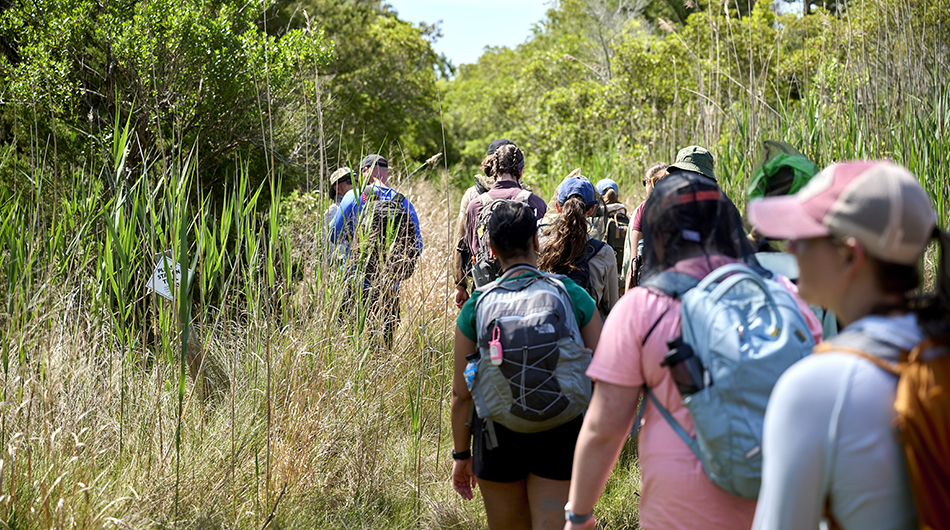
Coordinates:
[463,480]
[461,295]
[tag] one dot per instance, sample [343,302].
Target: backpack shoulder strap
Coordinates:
[369,192]
[557,281]
[719,275]
[825,347]
[523,268]
[672,283]
[485,199]
[506,275]
[553,279]
[523,196]
[594,246]
[677,428]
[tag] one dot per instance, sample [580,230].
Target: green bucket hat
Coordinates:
[696,159]
[780,170]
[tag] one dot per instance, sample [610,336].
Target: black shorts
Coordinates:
[548,454]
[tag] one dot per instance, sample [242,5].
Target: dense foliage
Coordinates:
[296,88]
[378,90]
[197,80]
[611,85]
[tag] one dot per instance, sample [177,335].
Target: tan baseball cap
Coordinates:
[338,176]
[878,203]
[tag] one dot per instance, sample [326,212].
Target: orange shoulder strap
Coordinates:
[827,347]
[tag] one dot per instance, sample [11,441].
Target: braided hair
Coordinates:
[506,159]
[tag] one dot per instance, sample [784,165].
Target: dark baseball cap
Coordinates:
[373,160]
[492,147]
[576,184]
[696,159]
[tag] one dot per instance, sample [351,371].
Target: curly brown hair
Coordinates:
[655,173]
[506,159]
[565,241]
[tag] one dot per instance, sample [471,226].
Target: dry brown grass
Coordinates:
[353,435]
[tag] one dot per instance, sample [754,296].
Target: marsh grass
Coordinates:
[246,400]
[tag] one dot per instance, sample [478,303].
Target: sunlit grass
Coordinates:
[244,399]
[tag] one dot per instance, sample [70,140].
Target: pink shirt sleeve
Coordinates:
[620,352]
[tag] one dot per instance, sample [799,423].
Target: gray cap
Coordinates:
[696,159]
[373,160]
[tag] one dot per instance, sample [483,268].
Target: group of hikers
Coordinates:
[380,226]
[722,358]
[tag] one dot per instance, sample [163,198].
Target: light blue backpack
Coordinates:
[747,331]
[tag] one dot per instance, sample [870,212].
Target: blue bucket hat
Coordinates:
[579,186]
[607,184]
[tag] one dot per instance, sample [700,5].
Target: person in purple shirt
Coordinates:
[506,165]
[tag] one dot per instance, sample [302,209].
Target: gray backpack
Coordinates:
[541,382]
[485,267]
[747,331]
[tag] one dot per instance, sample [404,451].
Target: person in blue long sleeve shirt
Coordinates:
[383,301]
[376,172]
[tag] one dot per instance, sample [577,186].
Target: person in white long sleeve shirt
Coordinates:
[831,450]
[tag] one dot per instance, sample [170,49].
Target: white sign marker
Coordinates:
[159,281]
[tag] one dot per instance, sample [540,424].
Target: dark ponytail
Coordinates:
[934,311]
[566,239]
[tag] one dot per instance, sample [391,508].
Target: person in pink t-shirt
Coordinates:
[631,244]
[691,227]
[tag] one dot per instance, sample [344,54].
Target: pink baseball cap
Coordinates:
[878,203]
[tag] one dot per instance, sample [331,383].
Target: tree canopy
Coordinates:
[295,88]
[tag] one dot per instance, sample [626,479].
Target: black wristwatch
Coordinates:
[463,455]
[573,517]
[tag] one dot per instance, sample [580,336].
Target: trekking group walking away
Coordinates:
[711,341]
[722,357]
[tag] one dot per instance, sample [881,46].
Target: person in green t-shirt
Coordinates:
[524,481]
